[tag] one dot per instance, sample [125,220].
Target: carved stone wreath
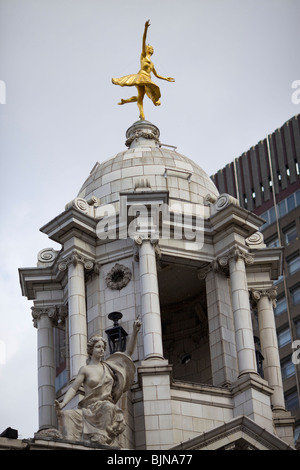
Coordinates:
[118,277]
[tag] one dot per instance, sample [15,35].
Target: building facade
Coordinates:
[150,236]
[266,181]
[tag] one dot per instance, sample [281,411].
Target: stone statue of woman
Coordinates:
[98,418]
[142,80]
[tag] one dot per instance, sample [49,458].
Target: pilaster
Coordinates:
[220,322]
[155,380]
[252,398]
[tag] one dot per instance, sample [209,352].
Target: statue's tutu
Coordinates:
[140,79]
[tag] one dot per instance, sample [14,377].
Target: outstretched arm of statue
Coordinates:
[132,342]
[169,79]
[70,393]
[147,24]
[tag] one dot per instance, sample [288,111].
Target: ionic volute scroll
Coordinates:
[74,258]
[257,294]
[213,266]
[236,253]
[56,313]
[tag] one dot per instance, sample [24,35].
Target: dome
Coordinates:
[148,165]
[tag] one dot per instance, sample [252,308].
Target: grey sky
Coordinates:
[234,62]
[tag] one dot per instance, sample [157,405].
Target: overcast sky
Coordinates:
[234,62]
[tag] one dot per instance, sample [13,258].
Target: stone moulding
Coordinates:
[118,277]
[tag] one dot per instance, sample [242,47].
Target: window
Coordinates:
[282,208]
[290,203]
[284,337]
[273,243]
[287,369]
[280,306]
[277,281]
[272,215]
[291,400]
[290,234]
[293,264]
[296,295]
[297,327]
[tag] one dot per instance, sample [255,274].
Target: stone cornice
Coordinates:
[62,227]
[236,218]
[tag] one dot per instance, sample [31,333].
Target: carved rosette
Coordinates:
[56,313]
[271,293]
[118,277]
[74,258]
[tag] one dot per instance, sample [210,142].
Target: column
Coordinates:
[267,329]
[77,310]
[236,259]
[150,306]
[43,321]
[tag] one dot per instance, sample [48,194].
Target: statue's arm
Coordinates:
[133,340]
[169,79]
[147,24]
[71,391]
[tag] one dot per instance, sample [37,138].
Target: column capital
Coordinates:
[235,253]
[271,293]
[56,313]
[214,266]
[138,241]
[74,258]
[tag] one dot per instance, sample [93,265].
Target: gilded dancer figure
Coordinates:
[142,80]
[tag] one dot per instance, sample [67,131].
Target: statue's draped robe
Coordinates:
[98,418]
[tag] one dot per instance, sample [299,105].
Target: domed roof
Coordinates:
[148,165]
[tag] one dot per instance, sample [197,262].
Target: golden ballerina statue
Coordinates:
[142,80]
